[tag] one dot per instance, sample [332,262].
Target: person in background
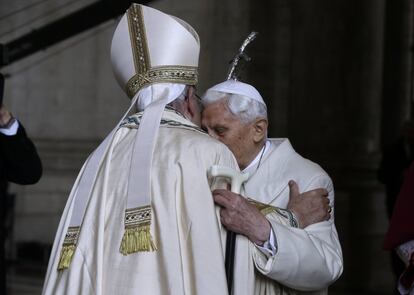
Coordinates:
[19,163]
[395,161]
[400,234]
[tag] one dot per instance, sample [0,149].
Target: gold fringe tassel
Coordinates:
[66,255]
[137,239]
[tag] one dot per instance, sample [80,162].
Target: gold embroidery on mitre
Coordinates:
[173,74]
[138,39]
[137,236]
[68,247]
[145,74]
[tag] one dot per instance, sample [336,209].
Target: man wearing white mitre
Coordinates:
[140,218]
[270,258]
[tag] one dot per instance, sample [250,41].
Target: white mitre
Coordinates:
[236,87]
[150,47]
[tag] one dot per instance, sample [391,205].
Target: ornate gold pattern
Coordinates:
[138,39]
[68,247]
[266,209]
[172,74]
[145,74]
[137,216]
[137,236]
[72,235]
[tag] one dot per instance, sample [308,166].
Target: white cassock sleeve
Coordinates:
[269,247]
[306,259]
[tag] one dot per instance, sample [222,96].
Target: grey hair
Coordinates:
[177,103]
[244,107]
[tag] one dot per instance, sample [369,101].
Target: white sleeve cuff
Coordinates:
[405,251]
[12,130]
[269,247]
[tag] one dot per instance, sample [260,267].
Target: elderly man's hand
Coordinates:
[309,207]
[241,217]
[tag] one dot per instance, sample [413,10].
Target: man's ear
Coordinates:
[260,130]
[191,104]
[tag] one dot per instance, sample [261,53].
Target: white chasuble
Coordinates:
[185,225]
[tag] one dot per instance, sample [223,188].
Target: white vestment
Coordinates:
[307,259]
[185,224]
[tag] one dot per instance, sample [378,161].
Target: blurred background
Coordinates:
[337,76]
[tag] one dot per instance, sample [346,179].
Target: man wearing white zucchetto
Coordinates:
[270,257]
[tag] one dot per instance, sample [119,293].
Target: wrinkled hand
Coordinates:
[241,217]
[309,207]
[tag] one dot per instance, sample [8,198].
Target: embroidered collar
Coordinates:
[170,118]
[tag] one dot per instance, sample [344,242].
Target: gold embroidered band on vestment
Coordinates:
[266,209]
[137,237]
[68,247]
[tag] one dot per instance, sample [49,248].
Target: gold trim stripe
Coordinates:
[138,39]
[72,235]
[137,236]
[172,74]
[266,209]
[137,216]
[145,74]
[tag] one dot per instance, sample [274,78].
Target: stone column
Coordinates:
[320,71]
[398,68]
